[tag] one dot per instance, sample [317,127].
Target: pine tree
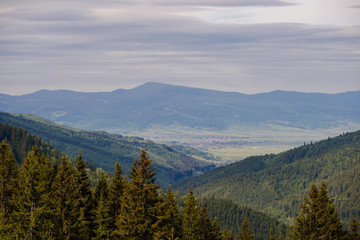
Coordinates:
[169,220]
[8,185]
[227,235]
[116,189]
[246,233]
[191,218]
[216,232]
[354,228]
[63,199]
[101,214]
[138,207]
[206,231]
[318,218]
[83,206]
[34,216]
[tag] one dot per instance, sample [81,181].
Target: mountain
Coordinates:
[162,105]
[275,184]
[104,149]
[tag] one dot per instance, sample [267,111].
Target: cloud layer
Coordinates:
[245,46]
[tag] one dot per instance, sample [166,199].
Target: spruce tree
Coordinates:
[227,235]
[116,189]
[190,218]
[138,207]
[8,185]
[216,232]
[354,228]
[84,211]
[63,199]
[318,218]
[246,233]
[34,216]
[206,231]
[169,217]
[101,223]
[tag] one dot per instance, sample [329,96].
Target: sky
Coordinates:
[247,46]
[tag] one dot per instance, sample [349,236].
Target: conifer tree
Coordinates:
[63,199]
[216,232]
[169,220]
[206,231]
[246,233]
[318,218]
[116,189]
[354,228]
[8,185]
[227,235]
[138,207]
[191,218]
[34,216]
[101,213]
[83,206]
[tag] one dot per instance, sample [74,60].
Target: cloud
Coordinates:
[92,46]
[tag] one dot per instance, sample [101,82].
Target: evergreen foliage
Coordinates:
[43,200]
[34,213]
[245,233]
[191,218]
[63,199]
[318,218]
[84,204]
[275,184]
[138,209]
[172,164]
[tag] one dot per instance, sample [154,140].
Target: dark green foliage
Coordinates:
[84,204]
[64,199]
[191,218]
[8,186]
[138,207]
[169,223]
[57,202]
[245,233]
[275,184]
[22,142]
[116,189]
[104,148]
[33,198]
[318,218]
[354,228]
[102,217]
[230,216]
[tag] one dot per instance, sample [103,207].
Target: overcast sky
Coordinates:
[247,46]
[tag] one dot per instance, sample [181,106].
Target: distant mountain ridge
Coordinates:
[156,104]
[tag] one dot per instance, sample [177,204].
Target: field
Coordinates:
[239,142]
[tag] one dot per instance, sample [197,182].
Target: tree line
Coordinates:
[44,200]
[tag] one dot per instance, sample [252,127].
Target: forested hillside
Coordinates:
[105,149]
[275,184]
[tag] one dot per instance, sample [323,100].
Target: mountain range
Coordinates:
[165,106]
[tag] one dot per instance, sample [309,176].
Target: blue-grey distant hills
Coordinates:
[163,105]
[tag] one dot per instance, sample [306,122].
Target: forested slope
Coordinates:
[105,149]
[275,184]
